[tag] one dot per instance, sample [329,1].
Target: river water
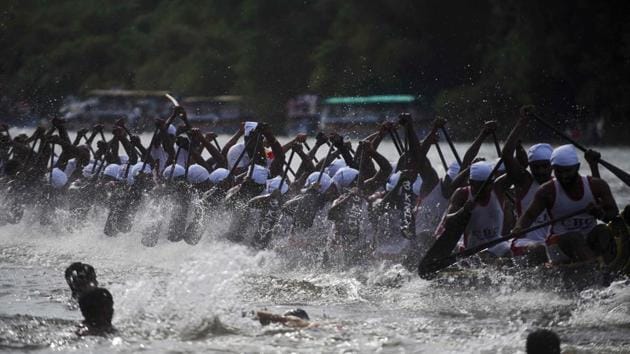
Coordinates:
[175,298]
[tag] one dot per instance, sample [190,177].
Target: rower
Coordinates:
[433,204]
[486,214]
[526,184]
[568,192]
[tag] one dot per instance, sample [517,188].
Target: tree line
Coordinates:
[469,61]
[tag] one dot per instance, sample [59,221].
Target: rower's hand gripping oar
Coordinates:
[447,261]
[157,130]
[621,174]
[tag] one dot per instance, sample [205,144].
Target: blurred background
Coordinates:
[309,65]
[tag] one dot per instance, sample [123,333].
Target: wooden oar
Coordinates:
[447,261]
[441,154]
[621,174]
[454,228]
[496,144]
[450,143]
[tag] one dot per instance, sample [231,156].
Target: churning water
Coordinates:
[178,298]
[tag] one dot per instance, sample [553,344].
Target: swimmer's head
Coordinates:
[543,341]
[297,313]
[97,307]
[80,277]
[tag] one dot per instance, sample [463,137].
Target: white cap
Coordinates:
[453,170]
[136,170]
[324,182]
[123,159]
[90,169]
[197,174]
[501,168]
[395,177]
[59,178]
[344,177]
[480,171]
[274,183]
[335,165]
[249,127]
[539,152]
[233,154]
[179,171]
[564,155]
[218,175]
[112,170]
[260,174]
[171,130]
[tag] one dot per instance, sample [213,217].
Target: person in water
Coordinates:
[81,278]
[543,341]
[97,308]
[297,318]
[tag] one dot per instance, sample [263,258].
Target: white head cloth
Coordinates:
[539,152]
[112,170]
[171,130]
[395,177]
[136,170]
[260,174]
[218,175]
[334,166]
[324,183]
[453,170]
[179,171]
[564,155]
[197,174]
[344,177]
[233,154]
[249,127]
[480,171]
[59,178]
[87,170]
[274,183]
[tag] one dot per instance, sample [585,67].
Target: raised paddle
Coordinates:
[621,174]
[447,261]
[453,229]
[441,154]
[450,143]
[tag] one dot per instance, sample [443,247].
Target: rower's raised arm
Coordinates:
[473,150]
[516,172]
[543,199]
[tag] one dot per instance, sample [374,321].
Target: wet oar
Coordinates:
[453,229]
[441,154]
[447,261]
[450,143]
[172,99]
[496,144]
[621,174]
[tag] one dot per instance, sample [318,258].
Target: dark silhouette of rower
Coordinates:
[97,308]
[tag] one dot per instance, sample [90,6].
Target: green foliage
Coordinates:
[470,60]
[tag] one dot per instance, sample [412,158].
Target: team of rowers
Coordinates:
[349,207]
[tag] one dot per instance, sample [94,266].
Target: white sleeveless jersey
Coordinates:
[430,210]
[486,221]
[563,205]
[522,203]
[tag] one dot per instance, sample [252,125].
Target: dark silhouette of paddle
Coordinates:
[621,174]
[450,143]
[428,269]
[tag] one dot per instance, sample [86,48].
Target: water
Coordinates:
[174,298]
